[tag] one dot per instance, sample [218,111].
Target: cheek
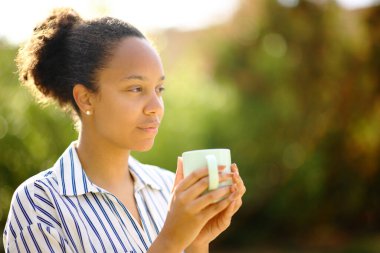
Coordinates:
[117,113]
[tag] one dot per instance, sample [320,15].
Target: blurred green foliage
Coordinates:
[293,92]
[31,139]
[309,121]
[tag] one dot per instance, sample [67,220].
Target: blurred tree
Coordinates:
[308,121]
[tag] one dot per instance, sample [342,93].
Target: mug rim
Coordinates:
[203,150]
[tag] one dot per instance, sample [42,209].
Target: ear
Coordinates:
[84,99]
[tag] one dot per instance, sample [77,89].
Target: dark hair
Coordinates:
[65,50]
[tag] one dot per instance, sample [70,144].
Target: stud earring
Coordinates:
[88,113]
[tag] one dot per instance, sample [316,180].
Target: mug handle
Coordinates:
[212,172]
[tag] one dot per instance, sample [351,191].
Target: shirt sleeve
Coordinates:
[24,232]
[37,238]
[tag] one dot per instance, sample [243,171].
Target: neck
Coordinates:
[104,163]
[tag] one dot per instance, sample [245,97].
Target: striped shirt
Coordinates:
[61,210]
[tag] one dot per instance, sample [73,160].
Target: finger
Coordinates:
[179,173]
[237,179]
[240,185]
[237,204]
[217,208]
[234,168]
[201,186]
[235,171]
[194,177]
[230,210]
[212,197]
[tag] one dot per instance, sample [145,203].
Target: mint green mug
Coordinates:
[211,159]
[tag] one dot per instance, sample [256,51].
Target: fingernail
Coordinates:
[221,168]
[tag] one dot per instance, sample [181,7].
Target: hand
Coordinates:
[190,210]
[221,221]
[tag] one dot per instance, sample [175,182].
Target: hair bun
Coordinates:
[41,59]
[59,20]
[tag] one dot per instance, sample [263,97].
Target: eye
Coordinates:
[160,89]
[135,89]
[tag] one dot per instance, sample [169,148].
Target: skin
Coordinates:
[125,115]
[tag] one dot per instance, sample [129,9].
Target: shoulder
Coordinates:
[26,190]
[22,212]
[46,177]
[32,220]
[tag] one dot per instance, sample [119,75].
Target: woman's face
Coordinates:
[128,107]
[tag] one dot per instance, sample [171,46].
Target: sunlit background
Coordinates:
[18,17]
[292,87]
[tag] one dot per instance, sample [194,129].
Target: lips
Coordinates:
[151,127]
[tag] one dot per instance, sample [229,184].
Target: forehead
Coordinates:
[131,56]
[134,53]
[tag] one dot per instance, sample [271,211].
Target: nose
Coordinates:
[154,105]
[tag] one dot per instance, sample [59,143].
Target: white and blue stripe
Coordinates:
[61,210]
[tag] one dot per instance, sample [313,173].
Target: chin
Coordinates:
[143,147]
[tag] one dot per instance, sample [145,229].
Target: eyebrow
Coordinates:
[141,78]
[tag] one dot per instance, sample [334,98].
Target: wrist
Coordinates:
[164,243]
[197,248]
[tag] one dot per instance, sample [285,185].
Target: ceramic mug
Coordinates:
[211,159]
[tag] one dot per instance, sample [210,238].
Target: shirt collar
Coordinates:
[73,181]
[141,174]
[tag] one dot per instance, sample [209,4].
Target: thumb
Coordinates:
[179,173]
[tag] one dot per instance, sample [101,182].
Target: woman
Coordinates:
[97,198]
